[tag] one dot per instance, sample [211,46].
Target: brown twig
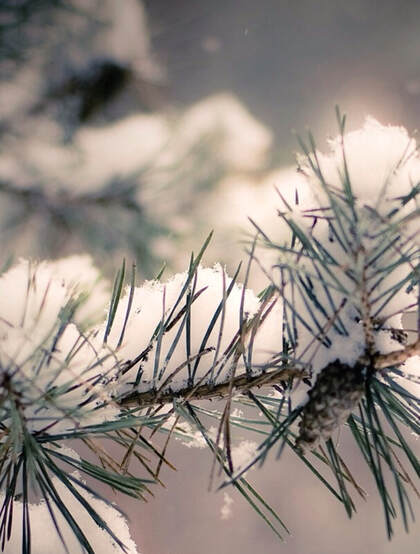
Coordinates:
[382,361]
[240,383]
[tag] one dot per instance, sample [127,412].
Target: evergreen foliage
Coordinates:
[342,280]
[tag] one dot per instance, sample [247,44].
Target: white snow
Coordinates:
[383,165]
[31,303]
[243,453]
[243,142]
[411,368]
[33,293]
[382,161]
[118,149]
[226,511]
[44,537]
[156,142]
[40,352]
[154,301]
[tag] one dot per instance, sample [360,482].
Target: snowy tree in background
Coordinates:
[324,350]
[95,156]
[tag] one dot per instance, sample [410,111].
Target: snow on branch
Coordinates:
[327,333]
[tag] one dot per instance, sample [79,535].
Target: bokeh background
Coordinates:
[132,128]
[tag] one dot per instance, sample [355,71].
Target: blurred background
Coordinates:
[132,128]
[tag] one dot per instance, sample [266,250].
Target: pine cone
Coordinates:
[336,392]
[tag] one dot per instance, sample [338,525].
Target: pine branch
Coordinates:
[334,286]
[244,383]
[382,361]
[206,391]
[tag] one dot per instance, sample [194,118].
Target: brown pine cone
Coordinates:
[336,392]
